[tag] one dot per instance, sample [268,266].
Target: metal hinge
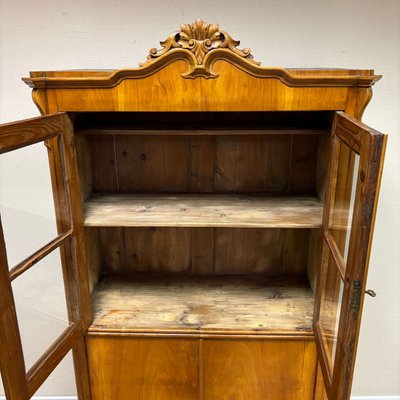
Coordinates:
[356,296]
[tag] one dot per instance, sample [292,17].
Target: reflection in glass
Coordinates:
[41,306]
[343,198]
[26,201]
[332,293]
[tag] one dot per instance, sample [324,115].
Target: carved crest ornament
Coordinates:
[200,39]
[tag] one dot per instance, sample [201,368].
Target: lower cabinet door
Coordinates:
[126,368]
[258,369]
[129,368]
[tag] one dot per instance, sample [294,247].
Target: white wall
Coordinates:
[40,35]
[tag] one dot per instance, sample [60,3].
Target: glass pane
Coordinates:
[26,201]
[41,306]
[332,293]
[60,384]
[61,381]
[343,198]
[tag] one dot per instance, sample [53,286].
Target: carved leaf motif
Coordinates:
[200,38]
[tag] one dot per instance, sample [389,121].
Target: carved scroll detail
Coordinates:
[200,38]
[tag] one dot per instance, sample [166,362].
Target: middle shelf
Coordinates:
[202,210]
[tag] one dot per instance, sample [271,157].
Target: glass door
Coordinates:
[356,161]
[20,384]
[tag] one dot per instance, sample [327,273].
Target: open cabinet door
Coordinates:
[355,168]
[56,131]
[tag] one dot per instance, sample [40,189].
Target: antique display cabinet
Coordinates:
[215,221]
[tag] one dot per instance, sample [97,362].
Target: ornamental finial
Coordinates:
[200,38]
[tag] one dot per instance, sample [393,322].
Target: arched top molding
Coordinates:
[201,46]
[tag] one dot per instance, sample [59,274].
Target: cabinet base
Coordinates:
[201,369]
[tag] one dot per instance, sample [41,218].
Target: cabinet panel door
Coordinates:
[258,369]
[356,161]
[56,131]
[129,368]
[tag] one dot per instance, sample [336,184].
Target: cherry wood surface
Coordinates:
[175,369]
[337,347]
[145,369]
[200,117]
[262,369]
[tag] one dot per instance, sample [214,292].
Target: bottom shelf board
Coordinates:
[203,304]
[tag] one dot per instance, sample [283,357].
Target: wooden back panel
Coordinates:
[202,164]
[205,251]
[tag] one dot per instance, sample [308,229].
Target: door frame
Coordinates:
[56,131]
[370,145]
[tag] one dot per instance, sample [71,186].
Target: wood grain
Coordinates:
[202,164]
[143,369]
[111,78]
[153,163]
[68,207]
[111,250]
[204,251]
[84,160]
[15,135]
[252,164]
[157,250]
[239,211]
[320,392]
[259,370]
[372,153]
[234,90]
[370,145]
[93,252]
[30,261]
[104,164]
[322,166]
[303,164]
[81,368]
[296,254]
[314,253]
[250,251]
[203,304]
[12,363]
[41,370]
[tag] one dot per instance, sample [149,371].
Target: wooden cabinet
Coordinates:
[143,368]
[215,219]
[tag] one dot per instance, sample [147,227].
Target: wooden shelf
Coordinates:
[236,211]
[208,304]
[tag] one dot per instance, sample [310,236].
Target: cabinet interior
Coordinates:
[205,221]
